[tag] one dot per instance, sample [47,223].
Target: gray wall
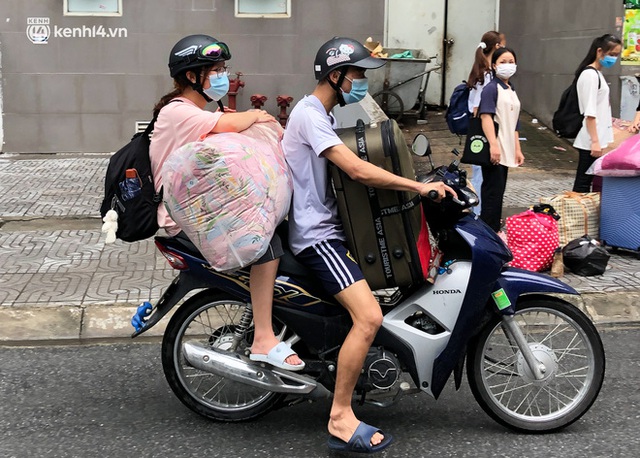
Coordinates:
[550,38]
[85,94]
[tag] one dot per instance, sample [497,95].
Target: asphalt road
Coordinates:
[112,400]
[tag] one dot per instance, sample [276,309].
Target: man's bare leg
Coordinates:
[367,318]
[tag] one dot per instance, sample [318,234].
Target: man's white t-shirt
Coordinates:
[313,216]
[594,102]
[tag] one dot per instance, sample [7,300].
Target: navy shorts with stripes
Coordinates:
[333,264]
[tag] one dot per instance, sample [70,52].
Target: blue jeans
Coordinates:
[476,182]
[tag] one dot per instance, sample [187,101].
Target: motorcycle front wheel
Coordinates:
[565,341]
[211,319]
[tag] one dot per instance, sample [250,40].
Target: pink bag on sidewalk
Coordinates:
[532,238]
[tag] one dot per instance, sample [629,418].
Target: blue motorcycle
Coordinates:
[534,360]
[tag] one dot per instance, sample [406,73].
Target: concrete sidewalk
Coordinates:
[61,282]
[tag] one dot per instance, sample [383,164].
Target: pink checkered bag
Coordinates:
[532,238]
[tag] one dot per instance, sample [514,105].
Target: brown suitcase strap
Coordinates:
[372,193]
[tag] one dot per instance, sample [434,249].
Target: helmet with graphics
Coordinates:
[196,51]
[343,52]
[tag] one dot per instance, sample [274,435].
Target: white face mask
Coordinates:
[505,71]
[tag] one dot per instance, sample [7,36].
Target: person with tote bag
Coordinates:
[499,107]
[480,76]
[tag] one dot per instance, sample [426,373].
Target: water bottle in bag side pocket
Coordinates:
[131,187]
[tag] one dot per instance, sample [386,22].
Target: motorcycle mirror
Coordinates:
[421,146]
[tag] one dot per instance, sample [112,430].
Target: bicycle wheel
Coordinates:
[390,103]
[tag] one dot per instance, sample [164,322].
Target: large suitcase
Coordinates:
[620,212]
[382,226]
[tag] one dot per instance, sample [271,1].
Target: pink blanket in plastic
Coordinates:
[229,192]
[624,161]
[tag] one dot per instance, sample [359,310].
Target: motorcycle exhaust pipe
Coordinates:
[241,369]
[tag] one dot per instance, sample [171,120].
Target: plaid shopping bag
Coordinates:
[532,238]
[579,214]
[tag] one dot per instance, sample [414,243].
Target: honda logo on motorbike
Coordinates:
[447,291]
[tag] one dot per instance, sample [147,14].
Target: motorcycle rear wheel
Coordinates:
[211,319]
[565,341]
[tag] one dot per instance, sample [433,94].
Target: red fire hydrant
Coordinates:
[234,85]
[258,100]
[283,102]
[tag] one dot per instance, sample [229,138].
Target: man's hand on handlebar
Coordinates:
[436,191]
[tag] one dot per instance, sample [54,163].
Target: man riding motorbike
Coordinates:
[315,232]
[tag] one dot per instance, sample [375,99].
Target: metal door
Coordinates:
[418,24]
[467,21]
[448,29]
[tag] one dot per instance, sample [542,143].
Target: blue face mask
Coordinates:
[608,61]
[359,88]
[219,86]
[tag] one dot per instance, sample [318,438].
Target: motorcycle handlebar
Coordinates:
[433,195]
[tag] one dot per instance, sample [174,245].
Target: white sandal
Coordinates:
[277,356]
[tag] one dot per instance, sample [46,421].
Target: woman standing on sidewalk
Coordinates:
[197,66]
[593,99]
[499,106]
[479,77]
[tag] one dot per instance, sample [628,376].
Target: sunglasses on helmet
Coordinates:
[216,50]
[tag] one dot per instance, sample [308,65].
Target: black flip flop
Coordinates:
[360,442]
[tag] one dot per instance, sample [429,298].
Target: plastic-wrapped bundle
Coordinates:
[229,192]
[624,161]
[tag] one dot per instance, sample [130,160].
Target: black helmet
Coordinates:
[343,52]
[196,51]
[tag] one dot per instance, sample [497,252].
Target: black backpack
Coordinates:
[457,114]
[567,120]
[129,189]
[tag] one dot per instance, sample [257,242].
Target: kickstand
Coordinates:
[362,398]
